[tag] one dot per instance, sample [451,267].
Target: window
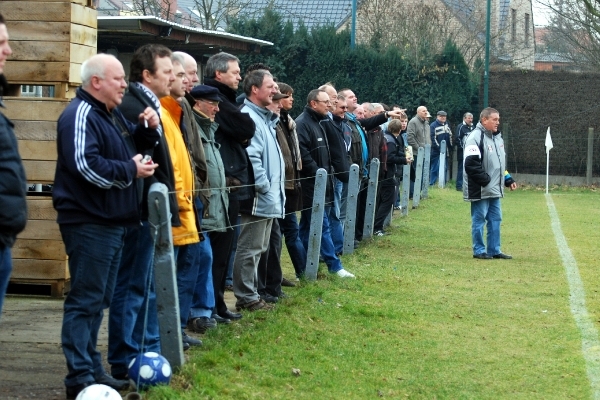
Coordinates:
[527,38]
[31,91]
[513,22]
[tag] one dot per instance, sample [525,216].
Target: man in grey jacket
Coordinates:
[485,179]
[257,213]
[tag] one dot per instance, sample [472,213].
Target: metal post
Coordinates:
[405,189]
[418,180]
[442,168]
[316,226]
[350,222]
[486,66]
[426,170]
[167,300]
[371,199]
[590,156]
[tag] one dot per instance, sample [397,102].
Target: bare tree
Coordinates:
[213,14]
[421,28]
[574,32]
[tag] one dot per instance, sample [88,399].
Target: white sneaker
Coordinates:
[342,273]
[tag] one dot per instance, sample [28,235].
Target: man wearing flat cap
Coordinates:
[439,131]
[215,221]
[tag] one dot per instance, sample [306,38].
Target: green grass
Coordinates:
[423,319]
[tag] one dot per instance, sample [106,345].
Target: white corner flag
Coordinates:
[549,147]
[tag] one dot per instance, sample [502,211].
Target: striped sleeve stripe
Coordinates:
[79,141]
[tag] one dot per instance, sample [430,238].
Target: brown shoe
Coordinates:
[254,306]
[287,282]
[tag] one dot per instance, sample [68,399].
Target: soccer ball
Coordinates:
[98,391]
[152,369]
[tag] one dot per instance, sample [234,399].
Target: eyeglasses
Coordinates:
[324,101]
[344,108]
[211,102]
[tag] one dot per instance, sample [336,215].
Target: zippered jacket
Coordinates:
[95,174]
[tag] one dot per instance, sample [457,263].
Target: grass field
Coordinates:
[423,319]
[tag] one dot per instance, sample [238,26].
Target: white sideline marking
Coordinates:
[590,346]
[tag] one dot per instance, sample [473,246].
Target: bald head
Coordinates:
[332,93]
[191,69]
[103,77]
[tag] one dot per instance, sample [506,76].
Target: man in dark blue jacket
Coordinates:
[96,198]
[13,207]
[439,131]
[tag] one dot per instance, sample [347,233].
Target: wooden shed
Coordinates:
[50,40]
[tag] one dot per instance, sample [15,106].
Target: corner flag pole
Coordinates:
[549,146]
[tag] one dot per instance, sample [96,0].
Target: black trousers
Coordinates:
[384,202]
[221,243]
[269,266]
[361,207]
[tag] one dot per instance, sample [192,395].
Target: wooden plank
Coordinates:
[41,229]
[84,16]
[39,51]
[75,73]
[19,108]
[40,208]
[39,249]
[36,11]
[39,171]
[35,130]
[33,30]
[65,90]
[37,71]
[80,53]
[84,35]
[39,269]
[41,150]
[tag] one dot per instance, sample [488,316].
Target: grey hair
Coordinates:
[93,66]
[254,78]
[467,114]
[178,59]
[219,62]
[341,97]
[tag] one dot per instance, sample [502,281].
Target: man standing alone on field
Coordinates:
[486,178]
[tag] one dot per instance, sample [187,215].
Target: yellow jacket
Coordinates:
[171,114]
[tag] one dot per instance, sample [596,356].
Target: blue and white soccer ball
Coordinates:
[152,369]
[98,391]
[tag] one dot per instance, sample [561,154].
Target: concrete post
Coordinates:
[316,226]
[371,199]
[405,189]
[418,180]
[426,170]
[167,300]
[442,167]
[350,222]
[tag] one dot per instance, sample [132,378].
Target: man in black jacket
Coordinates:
[234,133]
[13,207]
[314,150]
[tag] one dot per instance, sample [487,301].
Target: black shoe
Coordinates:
[122,376]
[186,346]
[233,316]
[116,384]
[356,244]
[73,391]
[502,256]
[201,324]
[482,256]
[282,295]
[220,320]
[287,282]
[269,298]
[191,341]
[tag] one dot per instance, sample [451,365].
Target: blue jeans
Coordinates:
[203,301]
[334,264]
[128,305]
[94,256]
[295,248]
[434,168]
[5,269]
[481,211]
[186,259]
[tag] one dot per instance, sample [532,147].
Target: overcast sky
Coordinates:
[540,12]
